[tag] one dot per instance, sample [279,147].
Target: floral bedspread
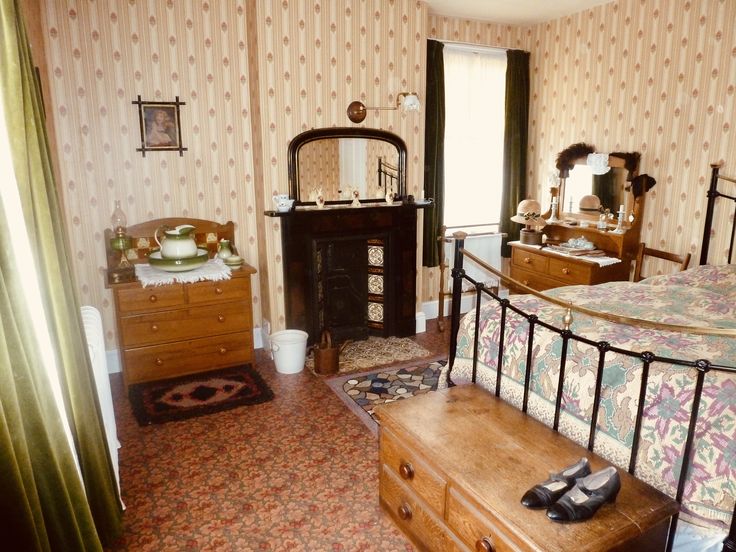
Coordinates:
[703,296]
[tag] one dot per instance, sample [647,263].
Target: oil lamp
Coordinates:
[121,242]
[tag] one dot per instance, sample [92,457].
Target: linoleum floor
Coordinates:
[297,473]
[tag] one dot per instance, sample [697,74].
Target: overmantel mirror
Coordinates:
[342,163]
[592,182]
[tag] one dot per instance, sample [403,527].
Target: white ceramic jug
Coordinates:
[177,243]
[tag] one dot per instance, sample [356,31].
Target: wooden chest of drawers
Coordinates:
[177,329]
[455,463]
[541,269]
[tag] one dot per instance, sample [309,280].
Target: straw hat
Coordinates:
[589,204]
[529,212]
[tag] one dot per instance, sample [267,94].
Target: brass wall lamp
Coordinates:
[407,101]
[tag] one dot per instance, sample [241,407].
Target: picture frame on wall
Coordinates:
[160,125]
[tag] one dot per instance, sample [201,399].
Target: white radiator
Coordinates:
[96,344]
[486,246]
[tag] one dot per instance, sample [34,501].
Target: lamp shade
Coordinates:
[410,102]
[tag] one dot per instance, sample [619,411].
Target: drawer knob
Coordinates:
[159,362]
[525,282]
[152,298]
[485,544]
[222,350]
[405,512]
[566,270]
[218,291]
[527,260]
[220,317]
[406,471]
[154,327]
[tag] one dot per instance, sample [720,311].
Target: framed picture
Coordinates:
[160,125]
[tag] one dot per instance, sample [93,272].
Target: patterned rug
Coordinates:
[375,351]
[363,392]
[174,399]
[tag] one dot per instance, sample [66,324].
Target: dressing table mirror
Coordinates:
[340,163]
[611,185]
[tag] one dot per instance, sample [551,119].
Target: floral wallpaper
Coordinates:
[314,59]
[655,76]
[100,56]
[252,74]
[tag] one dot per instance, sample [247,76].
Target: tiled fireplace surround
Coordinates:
[351,270]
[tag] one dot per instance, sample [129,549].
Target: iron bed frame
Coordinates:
[647,358]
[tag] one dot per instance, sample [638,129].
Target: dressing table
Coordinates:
[541,267]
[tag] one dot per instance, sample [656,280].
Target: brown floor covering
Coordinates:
[297,473]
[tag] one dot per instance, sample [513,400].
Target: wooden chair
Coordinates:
[682,260]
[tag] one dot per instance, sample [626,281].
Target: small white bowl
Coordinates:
[233,260]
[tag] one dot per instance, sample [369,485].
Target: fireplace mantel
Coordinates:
[314,238]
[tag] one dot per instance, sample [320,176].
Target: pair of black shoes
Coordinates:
[574,494]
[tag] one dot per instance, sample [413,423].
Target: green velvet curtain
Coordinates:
[434,155]
[44,504]
[515,143]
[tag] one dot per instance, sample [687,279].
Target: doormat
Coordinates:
[185,397]
[375,351]
[363,392]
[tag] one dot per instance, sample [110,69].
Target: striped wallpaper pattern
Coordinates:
[657,76]
[654,76]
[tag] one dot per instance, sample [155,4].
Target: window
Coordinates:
[475,90]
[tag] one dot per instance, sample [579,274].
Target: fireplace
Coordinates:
[350,270]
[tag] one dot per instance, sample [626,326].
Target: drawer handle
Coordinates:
[154,327]
[485,544]
[527,260]
[159,362]
[218,291]
[222,350]
[220,317]
[525,282]
[566,270]
[406,471]
[405,512]
[152,298]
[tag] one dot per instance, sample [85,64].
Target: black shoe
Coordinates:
[545,494]
[589,493]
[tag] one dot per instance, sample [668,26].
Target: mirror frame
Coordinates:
[578,153]
[344,132]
